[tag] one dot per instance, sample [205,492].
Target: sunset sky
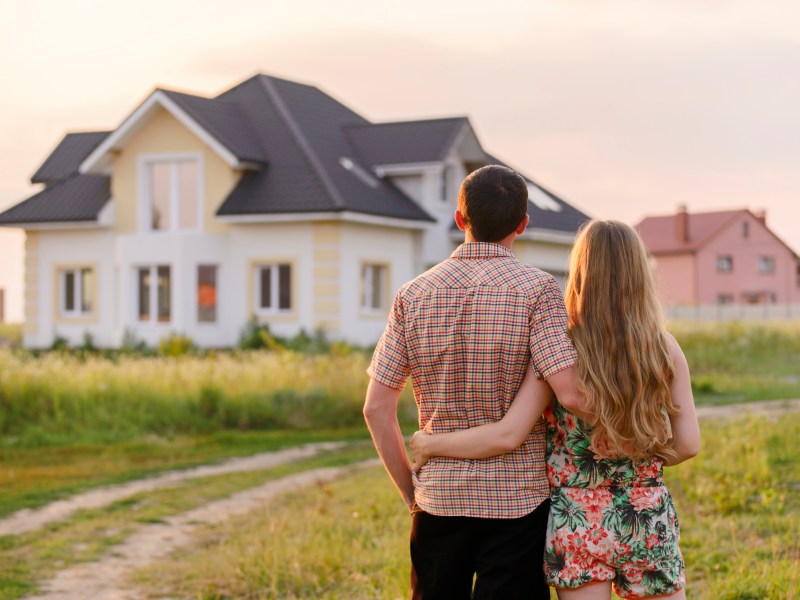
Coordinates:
[623,107]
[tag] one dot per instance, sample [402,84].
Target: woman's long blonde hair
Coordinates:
[616,324]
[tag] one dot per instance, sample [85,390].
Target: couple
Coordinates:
[504,502]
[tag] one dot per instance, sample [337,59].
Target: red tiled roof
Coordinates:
[660,234]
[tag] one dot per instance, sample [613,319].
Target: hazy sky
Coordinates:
[623,107]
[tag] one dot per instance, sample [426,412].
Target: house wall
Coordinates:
[12,244]
[676,279]
[550,257]
[46,253]
[266,242]
[164,134]
[394,248]
[780,286]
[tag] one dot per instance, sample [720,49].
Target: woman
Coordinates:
[612,520]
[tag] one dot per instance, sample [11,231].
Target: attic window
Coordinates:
[365,177]
[541,200]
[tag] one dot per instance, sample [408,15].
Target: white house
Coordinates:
[272,199]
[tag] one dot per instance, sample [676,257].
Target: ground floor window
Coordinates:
[374,287]
[77,291]
[154,292]
[273,288]
[207,294]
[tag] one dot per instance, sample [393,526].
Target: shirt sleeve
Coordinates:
[389,364]
[551,349]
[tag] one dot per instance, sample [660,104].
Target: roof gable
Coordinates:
[222,126]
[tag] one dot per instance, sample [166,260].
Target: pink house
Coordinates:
[725,257]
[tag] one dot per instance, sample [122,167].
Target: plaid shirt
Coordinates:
[466,332]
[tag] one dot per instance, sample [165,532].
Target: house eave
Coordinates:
[533,234]
[344,216]
[56,225]
[407,168]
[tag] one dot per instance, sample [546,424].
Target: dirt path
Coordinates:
[31,519]
[105,579]
[768,407]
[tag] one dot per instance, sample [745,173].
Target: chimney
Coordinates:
[761,215]
[682,224]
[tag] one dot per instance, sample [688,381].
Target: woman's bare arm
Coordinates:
[492,439]
[685,428]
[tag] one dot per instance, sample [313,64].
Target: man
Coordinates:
[466,331]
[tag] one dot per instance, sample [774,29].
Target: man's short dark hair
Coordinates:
[493,201]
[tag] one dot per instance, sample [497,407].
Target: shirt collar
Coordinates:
[478,250]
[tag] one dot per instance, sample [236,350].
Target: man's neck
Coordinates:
[506,242]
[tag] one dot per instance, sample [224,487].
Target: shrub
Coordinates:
[176,344]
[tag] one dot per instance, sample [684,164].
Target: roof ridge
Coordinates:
[413,121]
[455,136]
[272,94]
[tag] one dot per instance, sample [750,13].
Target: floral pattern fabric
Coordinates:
[610,519]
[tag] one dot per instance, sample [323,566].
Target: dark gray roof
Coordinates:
[405,142]
[568,219]
[315,155]
[78,198]
[226,121]
[68,155]
[305,129]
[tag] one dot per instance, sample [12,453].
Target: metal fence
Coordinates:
[734,312]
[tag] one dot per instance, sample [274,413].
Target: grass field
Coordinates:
[29,558]
[736,362]
[737,501]
[75,420]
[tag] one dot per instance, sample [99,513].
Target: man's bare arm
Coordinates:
[380,413]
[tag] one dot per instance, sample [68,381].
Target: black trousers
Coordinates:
[504,557]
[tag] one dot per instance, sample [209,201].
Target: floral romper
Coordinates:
[610,519]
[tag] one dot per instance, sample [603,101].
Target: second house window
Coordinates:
[154,294]
[373,287]
[273,288]
[77,292]
[172,196]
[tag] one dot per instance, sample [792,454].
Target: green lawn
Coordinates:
[27,559]
[737,502]
[31,477]
[734,362]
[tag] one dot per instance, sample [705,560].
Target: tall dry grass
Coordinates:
[61,397]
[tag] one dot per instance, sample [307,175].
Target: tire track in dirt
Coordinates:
[767,407]
[27,520]
[105,579]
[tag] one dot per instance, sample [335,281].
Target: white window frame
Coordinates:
[145,201]
[77,312]
[274,288]
[153,321]
[367,274]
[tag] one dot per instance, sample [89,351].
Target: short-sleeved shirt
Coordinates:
[466,331]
